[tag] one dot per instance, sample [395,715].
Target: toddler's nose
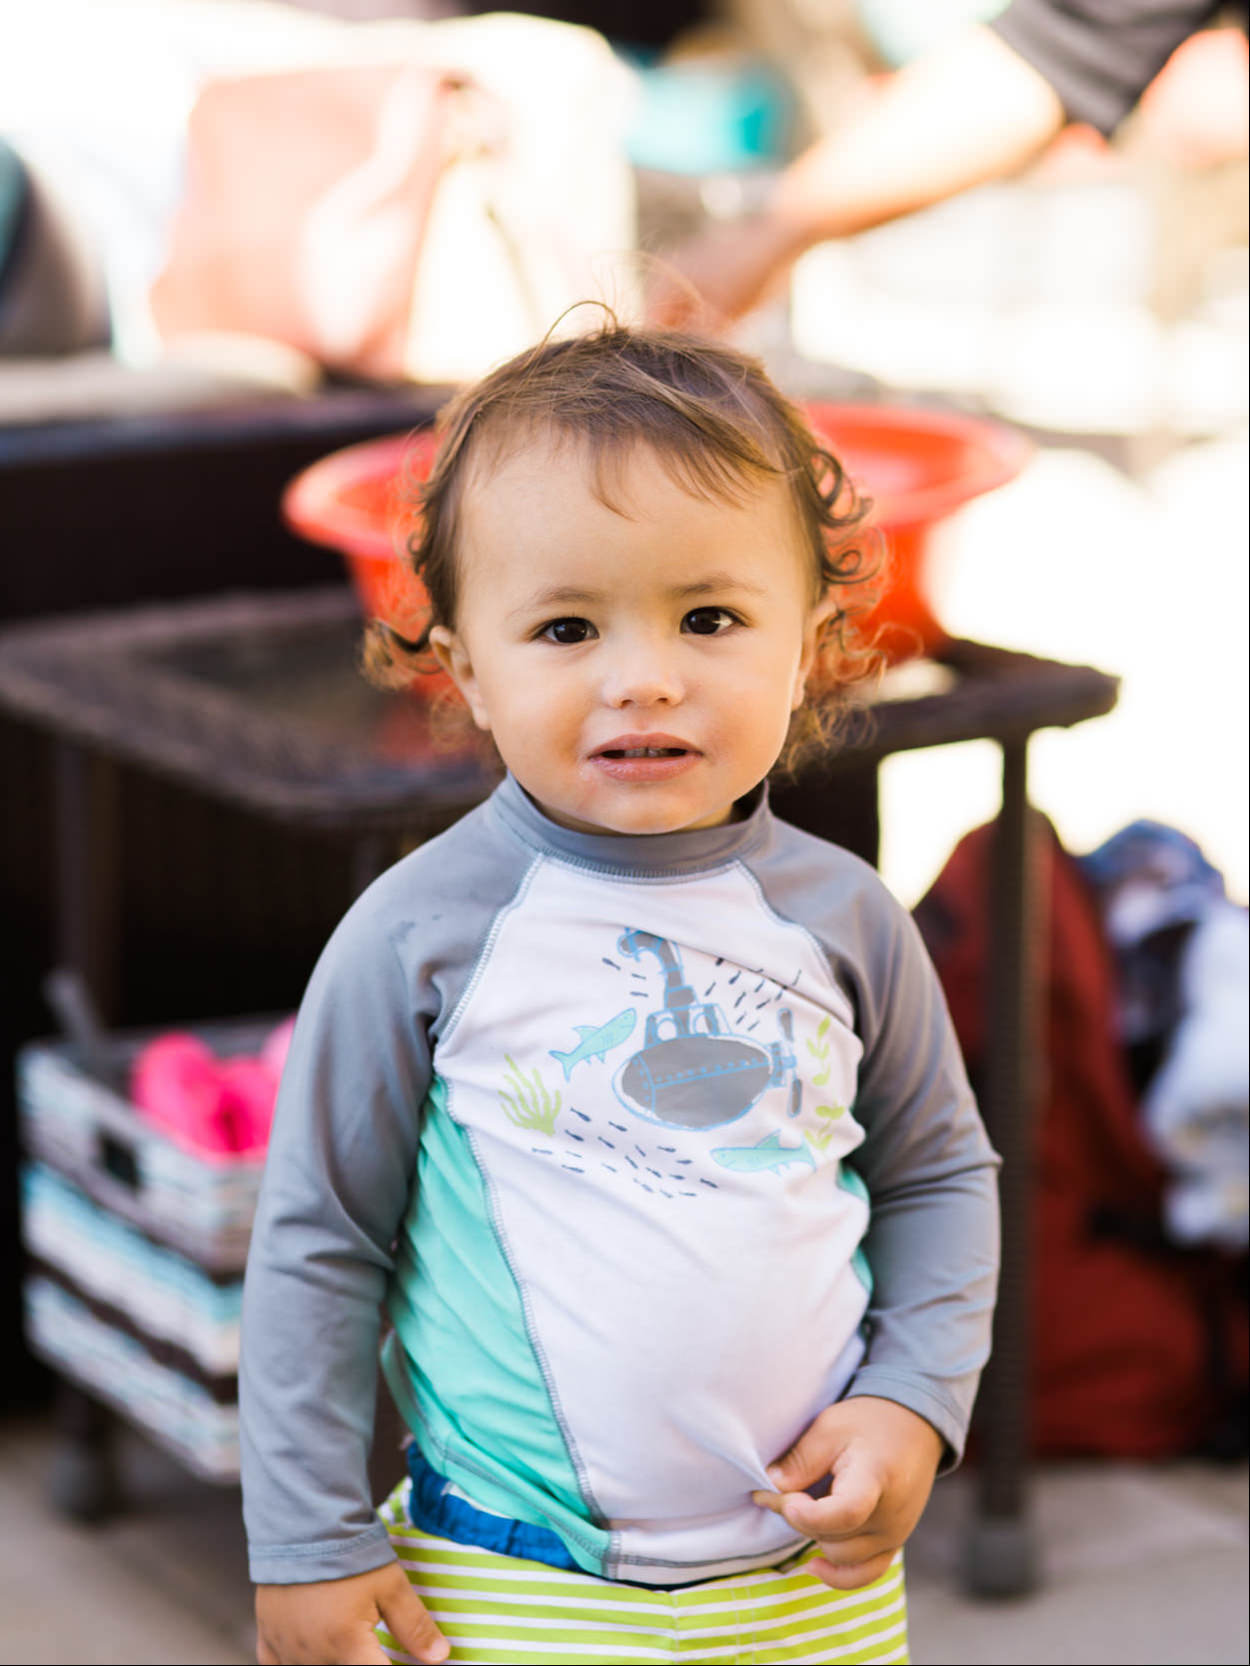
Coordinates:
[643,677]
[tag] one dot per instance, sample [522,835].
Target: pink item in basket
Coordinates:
[175,1082]
[247,1092]
[221,1106]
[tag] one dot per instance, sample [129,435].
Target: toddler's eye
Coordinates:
[708,621]
[568,632]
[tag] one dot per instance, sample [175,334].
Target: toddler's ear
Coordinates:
[452,655]
[817,619]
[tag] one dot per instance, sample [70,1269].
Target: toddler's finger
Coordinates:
[849,1553]
[854,1496]
[409,1623]
[807,1460]
[847,1509]
[849,1576]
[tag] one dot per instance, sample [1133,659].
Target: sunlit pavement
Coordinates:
[164,1582]
[1142,1565]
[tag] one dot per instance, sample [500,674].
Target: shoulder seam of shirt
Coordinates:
[822,953]
[487,948]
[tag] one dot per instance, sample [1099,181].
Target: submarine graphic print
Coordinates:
[692,1070]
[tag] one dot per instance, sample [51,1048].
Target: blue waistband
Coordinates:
[434,1508]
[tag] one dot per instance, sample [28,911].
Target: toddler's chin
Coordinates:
[637,820]
[652,821]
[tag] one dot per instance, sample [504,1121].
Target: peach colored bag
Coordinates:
[307,201]
[419,213]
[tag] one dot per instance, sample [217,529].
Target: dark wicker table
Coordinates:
[257,700]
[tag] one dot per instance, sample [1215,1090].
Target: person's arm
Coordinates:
[336,1186]
[971,111]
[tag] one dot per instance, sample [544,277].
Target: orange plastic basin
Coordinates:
[916,465]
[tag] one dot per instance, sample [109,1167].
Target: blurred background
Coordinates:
[237,237]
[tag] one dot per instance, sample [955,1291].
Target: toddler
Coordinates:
[637,1111]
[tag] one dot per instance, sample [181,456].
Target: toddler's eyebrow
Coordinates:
[571,595]
[715,582]
[557,595]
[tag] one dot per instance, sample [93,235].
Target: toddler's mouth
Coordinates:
[644,758]
[642,751]
[647,743]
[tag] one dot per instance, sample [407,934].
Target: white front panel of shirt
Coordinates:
[659,1080]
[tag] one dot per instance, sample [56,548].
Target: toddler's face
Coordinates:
[637,670]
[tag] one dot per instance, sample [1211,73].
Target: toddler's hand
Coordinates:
[331,1621]
[883,1459]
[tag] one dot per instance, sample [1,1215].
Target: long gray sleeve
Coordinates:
[336,1184]
[932,1242]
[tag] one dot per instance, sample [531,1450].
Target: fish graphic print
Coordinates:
[765,1154]
[597,1040]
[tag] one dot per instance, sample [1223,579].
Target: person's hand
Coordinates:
[719,275]
[883,1459]
[331,1621]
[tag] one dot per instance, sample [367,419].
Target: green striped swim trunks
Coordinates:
[500,1609]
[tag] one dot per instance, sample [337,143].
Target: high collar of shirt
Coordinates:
[635,855]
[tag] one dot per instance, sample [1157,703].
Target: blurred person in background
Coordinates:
[977,107]
[52,296]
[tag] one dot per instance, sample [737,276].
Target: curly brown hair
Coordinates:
[719,426]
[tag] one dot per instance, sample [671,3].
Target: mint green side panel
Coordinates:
[462,1365]
[851,1181]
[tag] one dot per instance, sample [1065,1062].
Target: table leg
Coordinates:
[83,1482]
[87,884]
[1001,1553]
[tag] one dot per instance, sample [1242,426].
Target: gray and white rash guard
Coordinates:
[651,1148]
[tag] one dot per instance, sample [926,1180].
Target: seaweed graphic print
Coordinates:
[821,1052]
[529,1104]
